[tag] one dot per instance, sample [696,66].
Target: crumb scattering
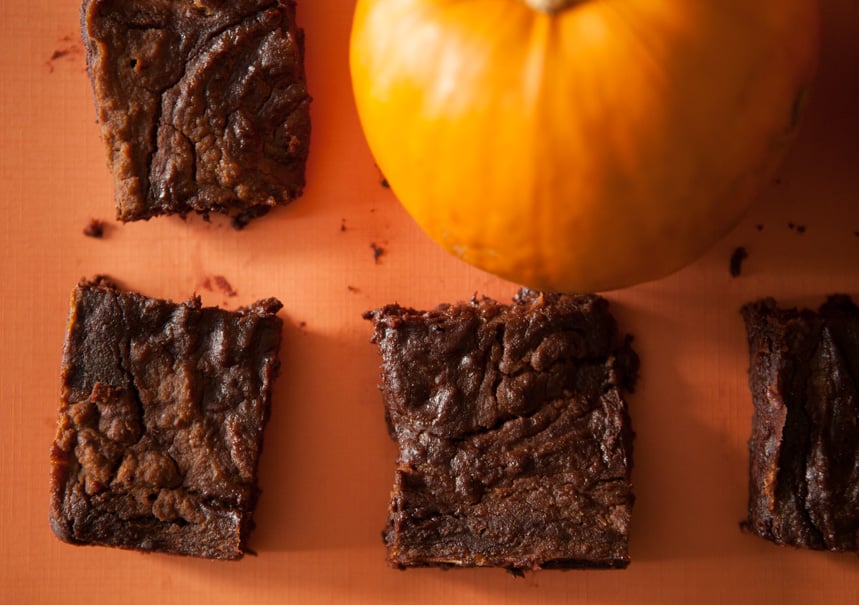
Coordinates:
[223,285]
[378,251]
[94,228]
[737,257]
[70,52]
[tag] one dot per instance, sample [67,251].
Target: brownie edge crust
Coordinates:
[515,446]
[804,446]
[203,105]
[161,422]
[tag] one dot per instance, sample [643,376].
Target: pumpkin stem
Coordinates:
[552,6]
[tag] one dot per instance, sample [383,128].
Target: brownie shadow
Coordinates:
[690,413]
[327,462]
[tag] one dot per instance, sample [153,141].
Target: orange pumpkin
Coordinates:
[580,145]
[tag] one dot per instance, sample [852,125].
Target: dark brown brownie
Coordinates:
[804,448]
[515,447]
[161,422]
[203,104]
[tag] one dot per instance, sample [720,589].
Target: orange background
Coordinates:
[327,466]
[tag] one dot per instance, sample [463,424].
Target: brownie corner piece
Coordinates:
[514,441]
[804,445]
[161,421]
[203,106]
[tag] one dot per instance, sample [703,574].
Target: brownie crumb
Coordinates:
[386,184]
[791,226]
[302,324]
[58,54]
[800,229]
[353,289]
[739,255]
[343,224]
[856,233]
[377,252]
[759,227]
[94,228]
[223,285]
[71,52]
[240,221]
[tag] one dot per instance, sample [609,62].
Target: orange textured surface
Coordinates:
[327,466]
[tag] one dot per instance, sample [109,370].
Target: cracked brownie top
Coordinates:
[514,441]
[804,446]
[203,104]
[161,421]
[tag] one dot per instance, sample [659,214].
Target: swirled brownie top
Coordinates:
[202,104]
[161,422]
[515,446]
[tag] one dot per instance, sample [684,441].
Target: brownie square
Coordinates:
[515,446]
[804,447]
[161,422]
[203,104]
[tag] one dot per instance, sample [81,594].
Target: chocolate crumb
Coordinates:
[800,228]
[386,184]
[222,283]
[343,224]
[791,226]
[241,220]
[353,289]
[856,233]
[94,228]
[71,51]
[739,255]
[377,252]
[759,227]
[777,180]
[302,324]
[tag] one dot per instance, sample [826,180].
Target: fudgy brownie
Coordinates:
[515,446]
[203,104]
[804,448]
[161,422]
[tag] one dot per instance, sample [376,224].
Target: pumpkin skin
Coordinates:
[596,147]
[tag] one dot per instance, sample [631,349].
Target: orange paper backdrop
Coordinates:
[327,467]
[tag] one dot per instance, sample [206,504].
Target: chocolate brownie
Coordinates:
[804,448]
[203,104]
[515,447]
[161,422]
